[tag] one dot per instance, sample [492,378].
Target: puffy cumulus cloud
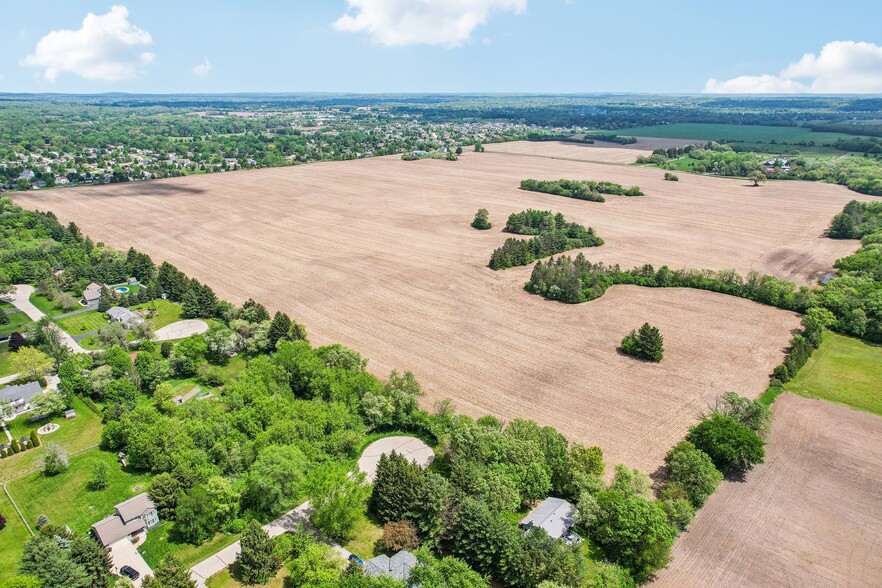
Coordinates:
[106,48]
[397,23]
[203,69]
[842,67]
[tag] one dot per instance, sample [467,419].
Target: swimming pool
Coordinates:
[121,289]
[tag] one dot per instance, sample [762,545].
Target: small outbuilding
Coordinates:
[556,517]
[70,413]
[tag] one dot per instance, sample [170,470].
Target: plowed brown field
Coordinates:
[378,254]
[809,516]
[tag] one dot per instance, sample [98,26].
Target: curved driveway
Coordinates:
[20,298]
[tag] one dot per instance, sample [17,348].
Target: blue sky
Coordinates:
[537,46]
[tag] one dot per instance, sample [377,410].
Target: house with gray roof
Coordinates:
[19,396]
[556,517]
[124,316]
[92,294]
[136,515]
[398,566]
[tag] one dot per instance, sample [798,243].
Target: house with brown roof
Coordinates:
[134,516]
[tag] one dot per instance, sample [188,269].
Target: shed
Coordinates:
[70,413]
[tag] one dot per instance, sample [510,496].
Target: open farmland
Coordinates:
[377,254]
[598,152]
[809,516]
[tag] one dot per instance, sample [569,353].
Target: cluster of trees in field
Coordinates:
[646,343]
[482,220]
[552,234]
[579,189]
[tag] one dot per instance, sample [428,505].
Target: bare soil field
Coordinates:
[809,516]
[378,254]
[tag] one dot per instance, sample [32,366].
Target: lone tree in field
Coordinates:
[756,177]
[646,343]
[257,564]
[671,177]
[482,220]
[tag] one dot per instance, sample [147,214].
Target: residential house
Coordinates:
[398,566]
[92,294]
[26,175]
[19,396]
[124,316]
[556,517]
[131,518]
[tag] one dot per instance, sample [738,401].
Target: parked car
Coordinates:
[356,559]
[129,572]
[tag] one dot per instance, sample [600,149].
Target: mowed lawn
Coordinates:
[167,312]
[11,539]
[18,321]
[744,133]
[6,368]
[225,579]
[74,435]
[45,305]
[843,370]
[82,323]
[65,499]
[161,541]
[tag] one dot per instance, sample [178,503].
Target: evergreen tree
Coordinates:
[646,343]
[257,564]
[190,307]
[279,328]
[170,574]
[94,559]
[105,300]
[397,487]
[4,318]
[35,438]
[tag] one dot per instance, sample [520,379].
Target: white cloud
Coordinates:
[203,69]
[105,48]
[397,23]
[842,67]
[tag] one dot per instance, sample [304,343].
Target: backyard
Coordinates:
[167,312]
[6,368]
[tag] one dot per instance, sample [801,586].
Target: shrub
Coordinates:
[211,375]
[399,535]
[98,476]
[647,343]
[2,521]
[482,220]
[55,460]
[671,177]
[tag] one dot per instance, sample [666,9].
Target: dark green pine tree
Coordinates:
[279,328]
[93,558]
[650,343]
[397,487]
[170,574]
[257,564]
[105,300]
[190,307]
